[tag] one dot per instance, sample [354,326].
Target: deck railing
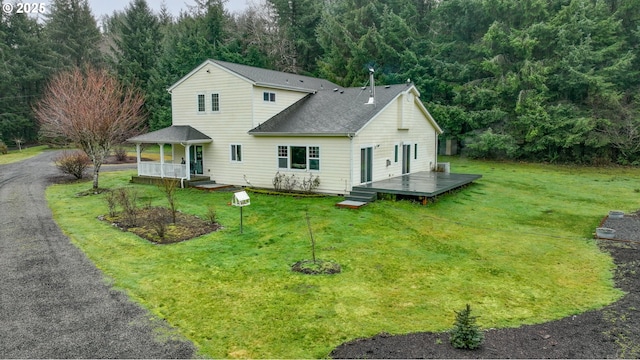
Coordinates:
[156,169]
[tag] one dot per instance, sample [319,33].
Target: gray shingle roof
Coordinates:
[329,112]
[176,134]
[278,79]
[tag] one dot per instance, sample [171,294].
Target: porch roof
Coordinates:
[176,134]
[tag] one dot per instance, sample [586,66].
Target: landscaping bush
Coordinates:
[128,200]
[4,149]
[73,163]
[289,183]
[466,334]
[120,153]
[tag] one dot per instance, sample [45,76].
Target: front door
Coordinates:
[196,160]
[406,159]
[366,165]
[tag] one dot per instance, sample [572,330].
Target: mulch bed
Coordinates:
[611,332]
[185,228]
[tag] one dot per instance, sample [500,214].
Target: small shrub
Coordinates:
[311,184]
[211,215]
[278,181]
[112,202]
[128,201]
[159,218]
[73,163]
[4,149]
[465,333]
[120,153]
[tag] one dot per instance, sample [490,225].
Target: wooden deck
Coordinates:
[426,184]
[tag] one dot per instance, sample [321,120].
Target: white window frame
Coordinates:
[271,96]
[289,151]
[283,153]
[235,152]
[218,100]
[204,103]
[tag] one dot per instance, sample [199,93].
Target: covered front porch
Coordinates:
[186,145]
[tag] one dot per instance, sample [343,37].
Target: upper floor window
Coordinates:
[269,96]
[201,107]
[215,102]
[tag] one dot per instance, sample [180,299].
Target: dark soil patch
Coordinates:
[611,332]
[156,225]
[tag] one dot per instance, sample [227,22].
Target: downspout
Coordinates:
[350,136]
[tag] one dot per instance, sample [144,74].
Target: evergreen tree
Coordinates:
[23,55]
[137,40]
[72,34]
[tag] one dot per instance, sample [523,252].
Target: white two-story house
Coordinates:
[240,125]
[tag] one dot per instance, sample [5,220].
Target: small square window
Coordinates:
[272,97]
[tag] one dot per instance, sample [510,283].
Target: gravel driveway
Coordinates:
[54,303]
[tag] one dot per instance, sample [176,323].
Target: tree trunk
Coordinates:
[96,171]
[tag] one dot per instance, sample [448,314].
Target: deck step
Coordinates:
[350,204]
[358,197]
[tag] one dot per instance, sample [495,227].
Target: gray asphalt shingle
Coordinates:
[329,112]
[176,134]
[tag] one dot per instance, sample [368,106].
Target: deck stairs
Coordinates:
[358,197]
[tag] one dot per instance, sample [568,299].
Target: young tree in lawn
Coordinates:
[91,109]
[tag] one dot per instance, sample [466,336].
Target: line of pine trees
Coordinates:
[541,80]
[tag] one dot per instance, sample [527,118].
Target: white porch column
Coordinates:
[138,151]
[187,155]
[161,160]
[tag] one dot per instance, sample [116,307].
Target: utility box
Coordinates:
[241,198]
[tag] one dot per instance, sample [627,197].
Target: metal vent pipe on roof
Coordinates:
[372,96]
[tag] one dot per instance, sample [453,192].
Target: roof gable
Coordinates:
[336,112]
[264,77]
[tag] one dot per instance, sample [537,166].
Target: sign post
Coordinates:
[240,199]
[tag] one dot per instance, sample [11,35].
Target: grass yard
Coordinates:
[16,155]
[516,246]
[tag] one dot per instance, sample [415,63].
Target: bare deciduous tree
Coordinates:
[91,109]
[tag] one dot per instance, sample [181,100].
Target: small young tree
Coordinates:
[91,109]
[465,333]
[169,186]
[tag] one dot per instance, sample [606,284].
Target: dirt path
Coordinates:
[54,303]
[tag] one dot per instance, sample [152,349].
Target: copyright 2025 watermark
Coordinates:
[24,8]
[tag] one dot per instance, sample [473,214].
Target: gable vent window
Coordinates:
[215,102]
[269,96]
[201,107]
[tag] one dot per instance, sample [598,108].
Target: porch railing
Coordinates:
[156,169]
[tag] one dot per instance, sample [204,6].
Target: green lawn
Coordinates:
[516,246]
[16,155]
